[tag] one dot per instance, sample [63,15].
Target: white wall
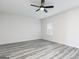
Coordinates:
[57,28]
[72,33]
[18,28]
[64,28]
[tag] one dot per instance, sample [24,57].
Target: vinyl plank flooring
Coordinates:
[38,49]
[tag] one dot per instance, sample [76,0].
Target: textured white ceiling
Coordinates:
[22,7]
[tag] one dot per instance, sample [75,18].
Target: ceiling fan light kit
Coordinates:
[42,7]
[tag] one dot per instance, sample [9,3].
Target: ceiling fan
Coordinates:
[42,7]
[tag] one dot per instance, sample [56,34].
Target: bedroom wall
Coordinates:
[54,28]
[15,28]
[62,28]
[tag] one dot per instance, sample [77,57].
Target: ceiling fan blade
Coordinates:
[48,6]
[42,2]
[37,10]
[45,10]
[34,5]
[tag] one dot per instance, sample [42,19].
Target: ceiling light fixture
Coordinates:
[42,9]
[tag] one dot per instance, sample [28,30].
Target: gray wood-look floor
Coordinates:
[38,49]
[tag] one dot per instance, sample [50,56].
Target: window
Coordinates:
[49,29]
